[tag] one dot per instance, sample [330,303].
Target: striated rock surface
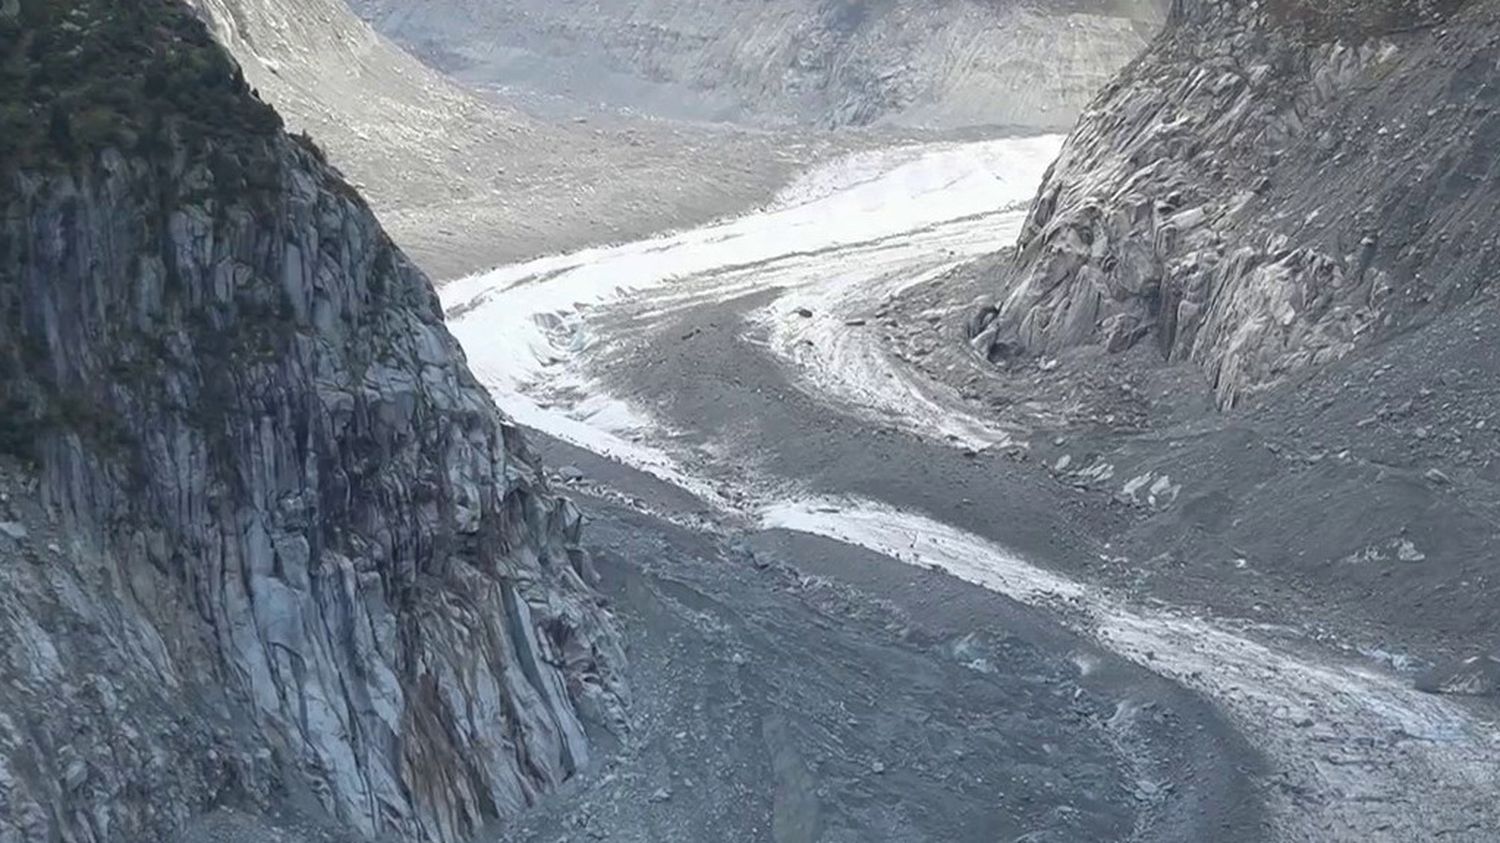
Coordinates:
[266,543]
[1025,63]
[1270,187]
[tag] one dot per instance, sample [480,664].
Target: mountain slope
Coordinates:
[941,64]
[264,541]
[1268,189]
[464,183]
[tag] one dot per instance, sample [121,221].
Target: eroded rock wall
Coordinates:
[267,540]
[1270,187]
[1024,63]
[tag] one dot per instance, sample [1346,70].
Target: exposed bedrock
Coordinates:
[1270,187]
[267,542]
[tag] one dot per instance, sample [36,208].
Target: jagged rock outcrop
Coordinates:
[1027,63]
[267,541]
[1269,187]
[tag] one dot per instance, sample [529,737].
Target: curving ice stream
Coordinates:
[1356,748]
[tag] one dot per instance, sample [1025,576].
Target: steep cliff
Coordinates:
[1029,63]
[264,541]
[1270,187]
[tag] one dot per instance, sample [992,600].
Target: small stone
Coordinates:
[661,794]
[804,312]
[13,529]
[1472,676]
[1408,552]
[570,473]
[877,768]
[76,774]
[1435,476]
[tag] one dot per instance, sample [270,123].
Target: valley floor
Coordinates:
[880,590]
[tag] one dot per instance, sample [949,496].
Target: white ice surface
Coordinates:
[898,213]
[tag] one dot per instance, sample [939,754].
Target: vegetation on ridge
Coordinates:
[145,78]
[77,76]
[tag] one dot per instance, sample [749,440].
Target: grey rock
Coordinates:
[76,774]
[467,181]
[14,530]
[1472,676]
[1255,196]
[307,554]
[778,62]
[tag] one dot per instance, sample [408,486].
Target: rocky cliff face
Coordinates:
[1270,187]
[1029,63]
[263,539]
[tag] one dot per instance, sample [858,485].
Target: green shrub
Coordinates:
[306,141]
[97,127]
[77,76]
[60,129]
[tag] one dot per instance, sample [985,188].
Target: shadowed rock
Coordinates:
[299,556]
[948,63]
